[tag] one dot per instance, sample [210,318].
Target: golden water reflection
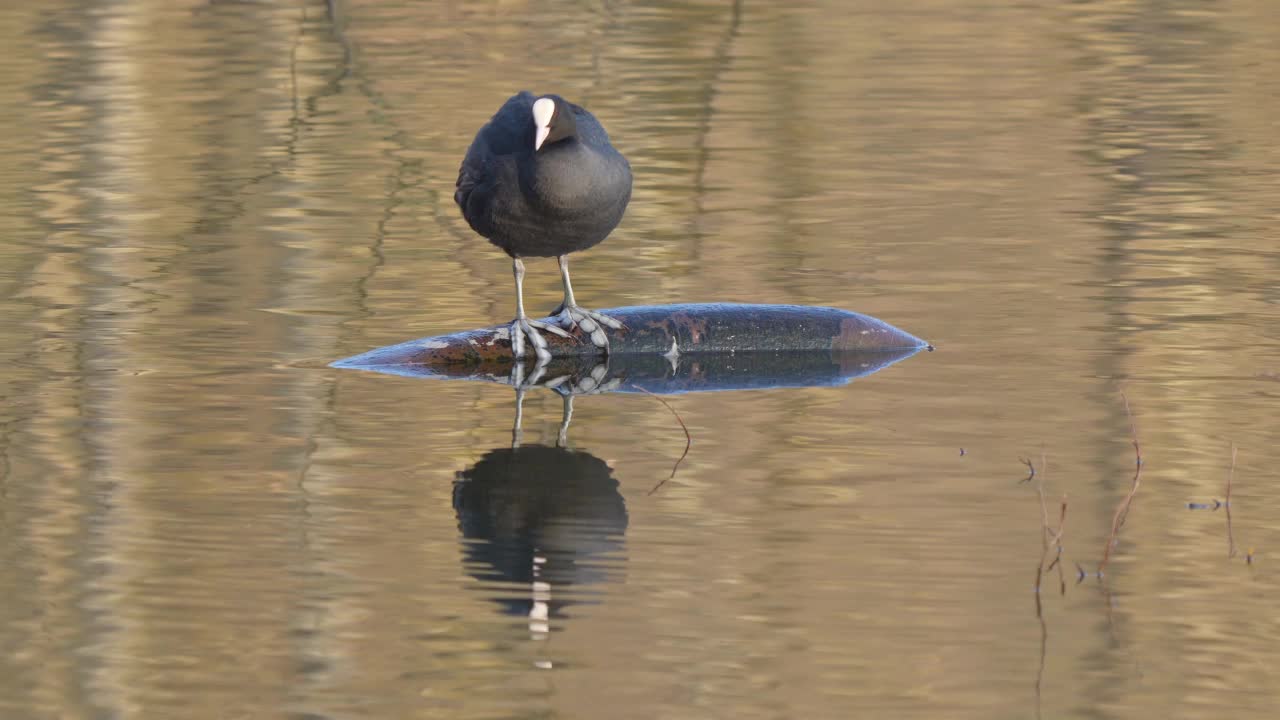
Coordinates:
[203,203]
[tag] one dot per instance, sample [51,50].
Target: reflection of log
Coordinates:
[657,329]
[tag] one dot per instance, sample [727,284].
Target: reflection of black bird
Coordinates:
[540,516]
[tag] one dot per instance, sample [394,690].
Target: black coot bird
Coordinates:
[542,180]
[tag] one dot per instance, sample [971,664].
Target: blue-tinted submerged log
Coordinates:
[665,330]
[634,372]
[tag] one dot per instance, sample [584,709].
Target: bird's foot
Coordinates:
[522,328]
[592,382]
[590,322]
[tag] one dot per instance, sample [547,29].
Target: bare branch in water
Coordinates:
[1231,538]
[1057,541]
[1049,537]
[1122,510]
[688,439]
[1133,429]
[1046,532]
[1053,542]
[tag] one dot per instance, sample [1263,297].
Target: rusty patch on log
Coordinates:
[697,327]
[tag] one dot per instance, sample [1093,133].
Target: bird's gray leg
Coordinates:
[517,432]
[522,384]
[572,315]
[523,327]
[562,439]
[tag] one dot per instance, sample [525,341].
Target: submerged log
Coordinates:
[664,331]
[695,372]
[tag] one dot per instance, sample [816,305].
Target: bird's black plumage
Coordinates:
[566,196]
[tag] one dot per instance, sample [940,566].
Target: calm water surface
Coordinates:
[204,203]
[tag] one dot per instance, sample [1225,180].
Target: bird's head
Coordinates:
[552,121]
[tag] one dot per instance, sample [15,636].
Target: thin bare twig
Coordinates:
[1061,528]
[1231,538]
[1049,538]
[1052,542]
[1044,647]
[1133,429]
[688,439]
[1045,531]
[1122,510]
